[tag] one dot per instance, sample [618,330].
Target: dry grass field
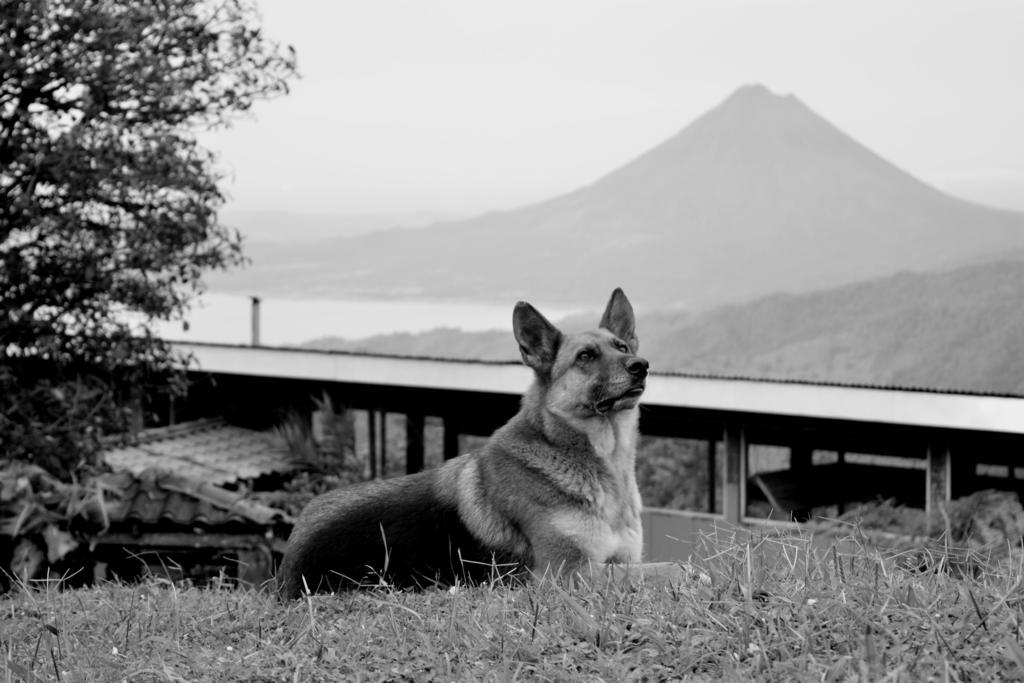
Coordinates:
[775,608]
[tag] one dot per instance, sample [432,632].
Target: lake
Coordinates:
[225,318]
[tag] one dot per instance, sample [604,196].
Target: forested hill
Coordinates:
[961,329]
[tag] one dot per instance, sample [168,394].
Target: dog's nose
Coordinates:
[637,367]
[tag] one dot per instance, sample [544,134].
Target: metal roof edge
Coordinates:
[802,381]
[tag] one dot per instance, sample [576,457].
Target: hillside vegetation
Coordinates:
[962,329]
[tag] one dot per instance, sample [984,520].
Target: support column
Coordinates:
[451,437]
[712,474]
[800,460]
[800,454]
[414,442]
[938,481]
[841,463]
[371,432]
[963,469]
[734,498]
[383,444]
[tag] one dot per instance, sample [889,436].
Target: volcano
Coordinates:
[758,195]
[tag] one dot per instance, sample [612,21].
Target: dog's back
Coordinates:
[397,530]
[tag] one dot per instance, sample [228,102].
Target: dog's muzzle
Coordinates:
[637,368]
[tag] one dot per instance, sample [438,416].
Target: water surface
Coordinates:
[226,318]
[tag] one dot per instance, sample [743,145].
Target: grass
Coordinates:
[779,607]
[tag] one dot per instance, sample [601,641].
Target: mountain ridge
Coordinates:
[958,330]
[759,194]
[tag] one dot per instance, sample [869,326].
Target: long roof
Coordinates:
[878,404]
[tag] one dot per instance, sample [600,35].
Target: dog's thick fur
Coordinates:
[554,490]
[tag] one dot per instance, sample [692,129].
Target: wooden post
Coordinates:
[371,431]
[451,437]
[414,442]
[840,463]
[712,474]
[734,490]
[383,444]
[963,468]
[800,454]
[938,482]
[800,460]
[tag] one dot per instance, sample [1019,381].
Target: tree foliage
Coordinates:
[108,204]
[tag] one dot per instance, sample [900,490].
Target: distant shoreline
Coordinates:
[226,318]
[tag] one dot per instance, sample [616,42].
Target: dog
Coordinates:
[553,491]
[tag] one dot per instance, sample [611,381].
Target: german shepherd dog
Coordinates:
[552,491]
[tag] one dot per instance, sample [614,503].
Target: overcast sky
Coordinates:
[466,105]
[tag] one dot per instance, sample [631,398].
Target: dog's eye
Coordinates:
[622,347]
[584,356]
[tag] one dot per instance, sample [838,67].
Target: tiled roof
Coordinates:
[156,497]
[206,450]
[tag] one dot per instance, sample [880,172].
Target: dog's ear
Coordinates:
[619,320]
[538,339]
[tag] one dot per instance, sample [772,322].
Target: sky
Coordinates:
[465,106]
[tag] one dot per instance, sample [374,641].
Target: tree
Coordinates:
[108,204]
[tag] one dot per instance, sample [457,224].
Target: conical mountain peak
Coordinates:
[753,114]
[754,93]
[757,144]
[757,100]
[760,194]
